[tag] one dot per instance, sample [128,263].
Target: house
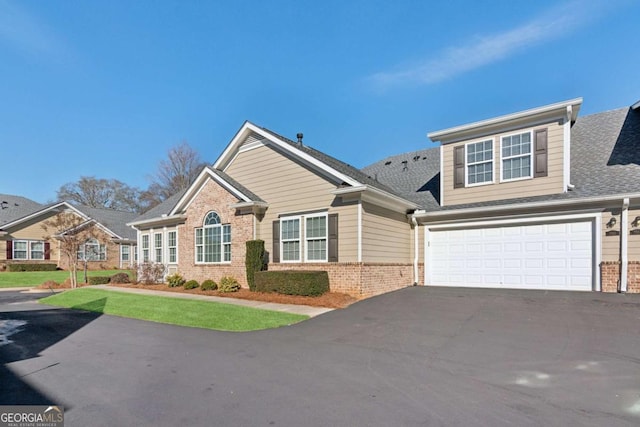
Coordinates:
[25,237]
[538,199]
[313,211]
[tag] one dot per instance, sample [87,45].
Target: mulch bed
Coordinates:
[329,300]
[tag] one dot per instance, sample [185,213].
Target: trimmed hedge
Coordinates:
[306,283]
[191,284]
[254,260]
[98,280]
[209,285]
[120,278]
[32,267]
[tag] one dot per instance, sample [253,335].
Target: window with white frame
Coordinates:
[125,253]
[145,248]
[479,156]
[92,250]
[157,247]
[290,239]
[213,240]
[516,156]
[316,238]
[172,245]
[20,249]
[36,250]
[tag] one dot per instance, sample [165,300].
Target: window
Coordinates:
[516,156]
[91,250]
[125,251]
[157,246]
[316,238]
[479,162]
[290,238]
[213,240]
[20,249]
[172,244]
[145,248]
[37,250]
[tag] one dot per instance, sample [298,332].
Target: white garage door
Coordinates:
[542,256]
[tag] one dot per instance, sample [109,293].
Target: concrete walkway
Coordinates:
[287,308]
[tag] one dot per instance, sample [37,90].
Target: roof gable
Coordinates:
[13,208]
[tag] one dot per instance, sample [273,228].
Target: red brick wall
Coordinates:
[610,276]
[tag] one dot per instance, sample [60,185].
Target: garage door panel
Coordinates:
[540,256]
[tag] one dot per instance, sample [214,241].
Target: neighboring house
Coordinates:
[539,199]
[314,212]
[24,237]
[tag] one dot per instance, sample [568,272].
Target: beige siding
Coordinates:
[550,184]
[290,188]
[386,236]
[32,230]
[611,242]
[634,239]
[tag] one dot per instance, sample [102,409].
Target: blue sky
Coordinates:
[105,88]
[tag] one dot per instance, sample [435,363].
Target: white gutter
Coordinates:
[157,220]
[566,158]
[635,106]
[624,256]
[416,247]
[375,193]
[501,208]
[359,230]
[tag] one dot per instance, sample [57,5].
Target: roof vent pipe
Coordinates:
[300,136]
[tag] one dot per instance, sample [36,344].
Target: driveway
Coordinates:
[418,356]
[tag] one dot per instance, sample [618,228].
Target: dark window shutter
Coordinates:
[540,153]
[333,238]
[9,249]
[458,167]
[47,250]
[275,253]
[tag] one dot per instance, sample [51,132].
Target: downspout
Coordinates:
[624,257]
[416,250]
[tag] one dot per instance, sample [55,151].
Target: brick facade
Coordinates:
[610,276]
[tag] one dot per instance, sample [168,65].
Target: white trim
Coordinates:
[155,248]
[43,211]
[531,150]
[221,226]
[156,221]
[544,110]
[169,247]
[416,250]
[635,106]
[325,215]
[300,238]
[122,262]
[467,164]
[377,197]
[250,146]
[566,151]
[624,248]
[359,207]
[594,217]
[142,248]
[442,175]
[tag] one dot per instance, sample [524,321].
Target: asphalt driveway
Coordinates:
[419,356]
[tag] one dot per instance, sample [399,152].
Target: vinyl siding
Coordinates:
[31,230]
[610,243]
[551,184]
[292,188]
[634,239]
[386,236]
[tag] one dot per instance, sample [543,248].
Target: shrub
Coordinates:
[228,284]
[150,273]
[175,280]
[33,267]
[98,280]
[254,260]
[191,284]
[50,284]
[120,278]
[307,283]
[209,285]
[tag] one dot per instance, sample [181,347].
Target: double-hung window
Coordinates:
[20,249]
[172,245]
[516,156]
[213,240]
[125,251]
[145,248]
[479,157]
[36,250]
[306,233]
[157,246]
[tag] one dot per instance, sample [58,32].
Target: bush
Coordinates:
[32,267]
[228,284]
[120,278]
[191,284]
[254,260]
[50,284]
[150,273]
[306,283]
[175,280]
[209,285]
[98,280]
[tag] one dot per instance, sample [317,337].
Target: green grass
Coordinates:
[10,279]
[175,311]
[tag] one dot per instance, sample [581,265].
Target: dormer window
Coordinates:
[479,156]
[517,157]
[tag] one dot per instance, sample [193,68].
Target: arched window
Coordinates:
[213,240]
[92,250]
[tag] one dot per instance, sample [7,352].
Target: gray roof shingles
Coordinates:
[605,160]
[112,219]
[15,207]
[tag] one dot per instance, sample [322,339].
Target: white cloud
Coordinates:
[487,49]
[21,30]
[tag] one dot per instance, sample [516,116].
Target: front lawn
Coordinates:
[199,314]
[10,279]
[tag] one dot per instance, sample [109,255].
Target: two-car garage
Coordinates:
[557,255]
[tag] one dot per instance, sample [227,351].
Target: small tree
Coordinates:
[254,260]
[71,231]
